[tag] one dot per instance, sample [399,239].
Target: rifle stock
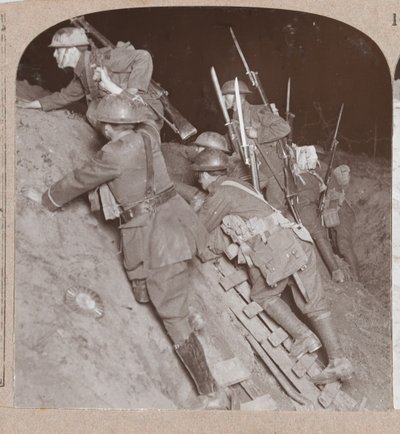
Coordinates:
[179,124]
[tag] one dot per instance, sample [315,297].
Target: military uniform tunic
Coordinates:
[157,245]
[226,199]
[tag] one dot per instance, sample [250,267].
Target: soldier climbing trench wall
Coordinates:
[62,346]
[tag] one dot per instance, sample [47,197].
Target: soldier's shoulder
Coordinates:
[261,109]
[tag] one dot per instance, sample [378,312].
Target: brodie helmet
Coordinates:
[212,140]
[69,37]
[229,87]
[210,160]
[117,109]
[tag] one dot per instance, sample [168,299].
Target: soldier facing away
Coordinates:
[97,73]
[266,128]
[275,256]
[310,185]
[342,233]
[160,232]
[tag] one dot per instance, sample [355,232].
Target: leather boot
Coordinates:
[305,340]
[339,367]
[192,356]
[325,249]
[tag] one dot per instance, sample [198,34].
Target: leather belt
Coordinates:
[147,205]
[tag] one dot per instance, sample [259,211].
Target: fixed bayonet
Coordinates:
[232,130]
[253,75]
[243,137]
[289,116]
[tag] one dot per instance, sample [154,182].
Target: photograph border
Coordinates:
[374,19]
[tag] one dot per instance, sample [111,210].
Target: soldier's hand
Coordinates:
[32,194]
[26,104]
[197,202]
[106,83]
[252,132]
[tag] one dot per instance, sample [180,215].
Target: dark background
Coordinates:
[329,63]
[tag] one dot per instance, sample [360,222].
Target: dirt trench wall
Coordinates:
[63,359]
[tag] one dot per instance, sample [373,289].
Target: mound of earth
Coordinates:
[124,359]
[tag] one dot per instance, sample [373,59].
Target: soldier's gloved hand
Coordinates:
[106,83]
[197,202]
[32,194]
[23,103]
[252,132]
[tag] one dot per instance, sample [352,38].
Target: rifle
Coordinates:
[179,124]
[239,145]
[290,188]
[322,197]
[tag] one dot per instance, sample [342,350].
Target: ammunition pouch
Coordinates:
[270,243]
[330,217]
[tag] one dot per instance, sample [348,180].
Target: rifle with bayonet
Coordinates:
[283,150]
[239,142]
[322,197]
[249,148]
[179,124]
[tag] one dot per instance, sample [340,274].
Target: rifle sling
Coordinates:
[149,166]
[89,57]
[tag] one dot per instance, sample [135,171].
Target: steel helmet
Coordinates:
[212,140]
[210,160]
[229,87]
[117,109]
[69,37]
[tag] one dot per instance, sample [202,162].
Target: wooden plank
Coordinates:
[342,400]
[262,403]
[229,372]
[253,309]
[304,364]
[328,394]
[231,280]
[278,336]
[278,354]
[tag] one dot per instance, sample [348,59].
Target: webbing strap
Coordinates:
[149,165]
[249,191]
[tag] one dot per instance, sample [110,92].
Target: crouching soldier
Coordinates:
[276,255]
[160,232]
[310,185]
[342,232]
[97,73]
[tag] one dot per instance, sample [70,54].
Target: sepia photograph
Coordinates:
[203,213]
